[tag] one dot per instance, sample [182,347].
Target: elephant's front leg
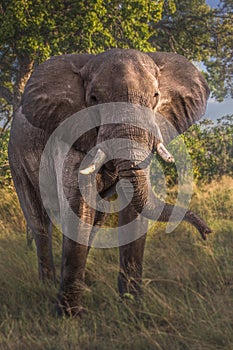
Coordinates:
[72,277]
[74,255]
[131,254]
[77,220]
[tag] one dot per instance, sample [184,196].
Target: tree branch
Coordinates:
[6,94]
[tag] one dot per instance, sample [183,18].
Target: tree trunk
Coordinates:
[25,68]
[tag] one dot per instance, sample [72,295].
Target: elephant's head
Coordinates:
[121,76]
[126,76]
[163,82]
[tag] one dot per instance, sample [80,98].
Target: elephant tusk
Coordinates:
[164,154]
[97,162]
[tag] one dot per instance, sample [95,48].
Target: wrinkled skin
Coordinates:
[166,83]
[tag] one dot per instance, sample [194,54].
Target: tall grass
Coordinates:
[188,288]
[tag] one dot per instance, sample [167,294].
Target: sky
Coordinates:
[216,109]
[212,3]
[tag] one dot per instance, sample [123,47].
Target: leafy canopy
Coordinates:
[41,28]
[33,30]
[201,33]
[210,147]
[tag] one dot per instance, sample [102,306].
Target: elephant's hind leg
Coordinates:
[43,240]
[38,222]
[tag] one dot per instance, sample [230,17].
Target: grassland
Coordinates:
[188,288]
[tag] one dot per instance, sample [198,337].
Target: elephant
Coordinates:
[161,82]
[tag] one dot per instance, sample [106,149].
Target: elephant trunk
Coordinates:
[138,187]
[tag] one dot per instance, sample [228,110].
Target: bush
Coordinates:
[210,148]
[5,174]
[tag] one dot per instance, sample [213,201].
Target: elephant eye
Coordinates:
[93,99]
[156,100]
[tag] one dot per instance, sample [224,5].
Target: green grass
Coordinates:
[188,288]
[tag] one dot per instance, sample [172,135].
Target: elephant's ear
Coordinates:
[183,90]
[54,91]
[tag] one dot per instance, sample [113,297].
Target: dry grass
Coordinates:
[188,289]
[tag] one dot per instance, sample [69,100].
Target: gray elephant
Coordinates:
[163,83]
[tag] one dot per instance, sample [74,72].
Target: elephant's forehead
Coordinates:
[127,69]
[123,61]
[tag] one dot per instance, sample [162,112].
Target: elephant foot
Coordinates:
[129,288]
[68,304]
[47,275]
[69,308]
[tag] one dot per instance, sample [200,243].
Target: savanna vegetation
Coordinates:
[188,283]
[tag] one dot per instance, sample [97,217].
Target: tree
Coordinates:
[5,174]
[210,147]
[33,30]
[201,34]
[220,64]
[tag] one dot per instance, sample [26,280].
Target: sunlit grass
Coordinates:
[187,284]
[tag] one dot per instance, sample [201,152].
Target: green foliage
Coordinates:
[32,31]
[44,28]
[200,33]
[209,147]
[186,30]
[5,175]
[219,64]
